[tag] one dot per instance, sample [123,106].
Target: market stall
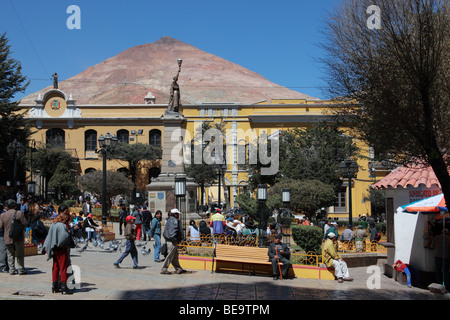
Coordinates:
[416,226]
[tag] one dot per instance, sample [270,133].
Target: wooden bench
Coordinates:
[245,255]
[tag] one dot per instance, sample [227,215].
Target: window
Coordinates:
[155,137]
[90,140]
[55,138]
[89,170]
[341,201]
[125,171]
[123,136]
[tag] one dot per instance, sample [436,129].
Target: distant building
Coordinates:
[57,117]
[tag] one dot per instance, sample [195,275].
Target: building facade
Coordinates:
[57,117]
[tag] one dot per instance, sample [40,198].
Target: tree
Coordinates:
[49,159]
[202,173]
[311,153]
[12,124]
[116,183]
[315,153]
[394,80]
[306,195]
[134,154]
[63,179]
[251,207]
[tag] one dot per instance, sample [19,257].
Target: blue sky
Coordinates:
[277,39]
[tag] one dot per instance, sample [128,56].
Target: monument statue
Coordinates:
[175,98]
[55,81]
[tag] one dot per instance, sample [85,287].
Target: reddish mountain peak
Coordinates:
[128,76]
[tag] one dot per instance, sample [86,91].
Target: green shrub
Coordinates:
[69,203]
[308,238]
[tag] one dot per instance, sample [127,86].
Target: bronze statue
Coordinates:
[175,97]
[55,81]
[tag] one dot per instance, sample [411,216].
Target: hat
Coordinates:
[128,218]
[331,235]
[230,224]
[335,223]
[174,210]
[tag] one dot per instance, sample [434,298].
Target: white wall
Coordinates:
[409,228]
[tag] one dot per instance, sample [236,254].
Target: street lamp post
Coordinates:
[286,196]
[15,150]
[220,172]
[349,168]
[262,197]
[106,143]
[180,192]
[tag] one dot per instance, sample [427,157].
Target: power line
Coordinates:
[29,40]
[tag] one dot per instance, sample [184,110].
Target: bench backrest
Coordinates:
[223,250]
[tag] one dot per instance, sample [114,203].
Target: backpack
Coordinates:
[17,229]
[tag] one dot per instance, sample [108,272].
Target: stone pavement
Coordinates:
[100,280]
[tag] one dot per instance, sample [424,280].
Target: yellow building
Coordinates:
[56,115]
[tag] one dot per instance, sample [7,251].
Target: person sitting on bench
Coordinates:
[279,252]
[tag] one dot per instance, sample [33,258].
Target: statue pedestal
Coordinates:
[161,189]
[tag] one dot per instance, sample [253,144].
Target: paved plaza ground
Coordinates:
[101,281]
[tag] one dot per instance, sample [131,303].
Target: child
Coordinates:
[130,235]
[399,266]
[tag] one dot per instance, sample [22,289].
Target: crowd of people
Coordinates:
[137,223]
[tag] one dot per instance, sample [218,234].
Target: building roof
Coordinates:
[413,175]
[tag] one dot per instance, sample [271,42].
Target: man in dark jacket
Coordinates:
[173,233]
[15,248]
[279,252]
[146,220]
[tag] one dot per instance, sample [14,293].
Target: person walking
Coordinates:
[123,213]
[155,233]
[173,233]
[15,248]
[4,267]
[57,244]
[87,206]
[90,227]
[130,235]
[138,221]
[146,220]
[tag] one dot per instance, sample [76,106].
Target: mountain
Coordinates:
[130,75]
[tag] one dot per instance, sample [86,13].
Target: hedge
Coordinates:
[308,238]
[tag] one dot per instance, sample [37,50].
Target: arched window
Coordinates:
[89,170]
[123,136]
[155,137]
[90,140]
[125,171]
[55,138]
